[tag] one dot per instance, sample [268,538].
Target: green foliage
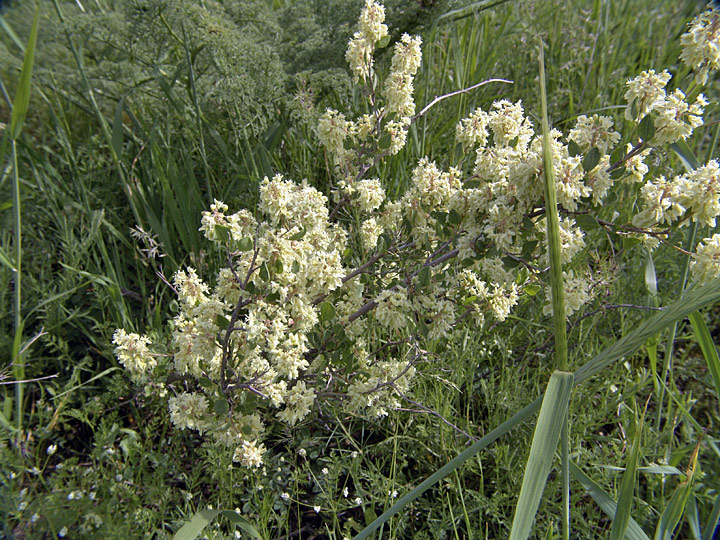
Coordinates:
[203,99]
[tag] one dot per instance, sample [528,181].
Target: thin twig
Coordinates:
[438,99]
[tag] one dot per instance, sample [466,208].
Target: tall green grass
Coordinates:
[88,172]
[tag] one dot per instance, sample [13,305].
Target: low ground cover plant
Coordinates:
[307,334]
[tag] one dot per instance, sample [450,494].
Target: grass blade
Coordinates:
[606,502]
[702,334]
[693,300]
[676,507]
[553,414]
[22,98]
[627,488]
[713,523]
[195,526]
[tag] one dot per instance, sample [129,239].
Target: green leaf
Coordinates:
[573,148]
[385,141]
[245,244]
[264,272]
[383,42]
[221,406]
[241,522]
[591,159]
[673,511]
[532,289]
[454,218]
[424,276]
[222,322]
[205,382]
[646,129]
[617,155]
[299,235]
[606,503]
[203,518]
[710,352]
[686,155]
[552,415]
[327,311]
[618,173]
[4,259]
[621,519]
[587,222]
[650,277]
[22,98]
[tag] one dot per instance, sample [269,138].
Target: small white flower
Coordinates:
[302,452]
[285,496]
[346,492]
[62,532]
[317,509]
[51,449]
[22,506]
[357,500]
[325,471]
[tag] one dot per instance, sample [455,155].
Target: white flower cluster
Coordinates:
[706,261]
[695,195]
[675,118]
[361,46]
[287,323]
[133,353]
[596,131]
[385,130]
[701,45]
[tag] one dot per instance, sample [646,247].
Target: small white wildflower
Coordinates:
[345,492]
[325,471]
[285,496]
[357,500]
[51,449]
[62,532]
[132,352]
[706,261]
[644,93]
[302,452]
[701,45]
[22,506]
[594,132]
[35,517]
[317,509]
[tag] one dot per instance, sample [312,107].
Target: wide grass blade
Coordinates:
[557,288]
[693,300]
[553,414]
[702,333]
[203,518]
[606,503]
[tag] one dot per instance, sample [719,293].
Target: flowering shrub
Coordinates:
[340,300]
